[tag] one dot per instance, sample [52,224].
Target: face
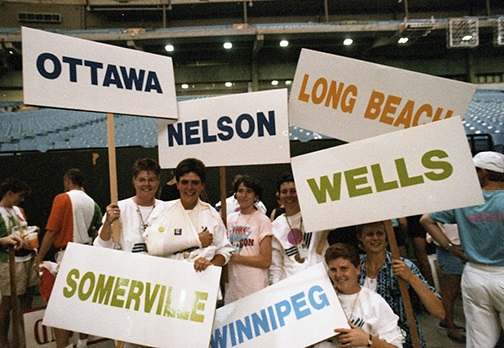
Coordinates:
[14,198]
[288,195]
[146,185]
[373,238]
[190,188]
[344,275]
[246,197]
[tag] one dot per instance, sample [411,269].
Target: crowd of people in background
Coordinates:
[260,249]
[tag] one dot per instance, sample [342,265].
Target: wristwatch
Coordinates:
[370,341]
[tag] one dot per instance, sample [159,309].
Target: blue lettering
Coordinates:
[244,329]
[260,321]
[283,308]
[222,125]
[220,339]
[191,128]
[322,298]
[132,78]
[72,63]
[232,334]
[176,134]
[112,77]
[271,313]
[41,59]
[239,128]
[263,123]
[94,66]
[298,302]
[152,82]
[206,137]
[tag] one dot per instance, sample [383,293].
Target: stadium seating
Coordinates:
[57,129]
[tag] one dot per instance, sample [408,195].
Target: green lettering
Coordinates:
[168,311]
[150,298]
[198,305]
[404,178]
[353,180]
[325,186]
[136,289]
[161,299]
[103,290]
[119,291]
[380,184]
[83,293]
[445,167]
[69,292]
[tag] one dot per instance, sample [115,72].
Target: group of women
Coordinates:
[259,252]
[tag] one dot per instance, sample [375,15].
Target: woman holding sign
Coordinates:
[379,272]
[372,321]
[294,248]
[249,230]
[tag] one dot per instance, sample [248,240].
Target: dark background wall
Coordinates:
[44,174]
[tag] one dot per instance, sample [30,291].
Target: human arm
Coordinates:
[46,244]
[263,260]
[112,214]
[356,337]
[276,268]
[429,299]
[432,228]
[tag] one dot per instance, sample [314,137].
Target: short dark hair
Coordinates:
[13,185]
[191,165]
[146,164]
[75,176]
[343,250]
[250,182]
[287,177]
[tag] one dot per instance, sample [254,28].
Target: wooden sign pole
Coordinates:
[13,298]
[222,184]
[415,337]
[116,227]
[114,197]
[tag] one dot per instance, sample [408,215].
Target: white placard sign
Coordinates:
[133,298]
[350,99]
[295,312]
[408,172]
[239,129]
[66,72]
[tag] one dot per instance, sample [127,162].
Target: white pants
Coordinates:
[483,298]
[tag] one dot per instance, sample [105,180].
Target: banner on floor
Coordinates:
[239,129]
[66,72]
[408,172]
[296,312]
[136,302]
[350,99]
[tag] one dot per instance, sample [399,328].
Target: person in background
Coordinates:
[13,221]
[134,213]
[418,236]
[249,231]
[294,248]
[451,273]
[481,231]
[74,217]
[372,321]
[232,205]
[169,191]
[380,273]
